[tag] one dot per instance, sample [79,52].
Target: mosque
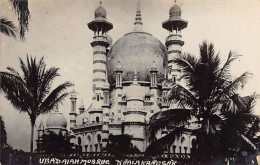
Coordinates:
[130,79]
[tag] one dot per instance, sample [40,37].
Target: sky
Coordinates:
[58,31]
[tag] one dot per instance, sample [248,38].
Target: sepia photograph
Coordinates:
[130,82]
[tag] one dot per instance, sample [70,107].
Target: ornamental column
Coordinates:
[73,113]
[174,42]
[100,27]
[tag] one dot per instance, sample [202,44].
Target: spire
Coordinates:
[135,78]
[56,109]
[138,18]
[41,127]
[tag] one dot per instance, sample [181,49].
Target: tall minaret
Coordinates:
[173,42]
[100,27]
[73,112]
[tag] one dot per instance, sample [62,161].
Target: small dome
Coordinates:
[175,11]
[81,106]
[73,95]
[100,13]
[154,67]
[56,120]
[119,67]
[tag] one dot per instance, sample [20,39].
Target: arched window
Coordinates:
[98,97]
[99,138]
[97,119]
[79,141]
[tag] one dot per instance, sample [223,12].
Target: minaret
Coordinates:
[174,41]
[119,71]
[153,72]
[39,140]
[100,27]
[81,107]
[105,106]
[73,113]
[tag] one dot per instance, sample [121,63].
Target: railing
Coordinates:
[100,38]
[174,37]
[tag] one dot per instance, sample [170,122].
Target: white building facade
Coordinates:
[130,79]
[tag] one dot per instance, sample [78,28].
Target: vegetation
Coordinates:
[121,144]
[211,96]
[21,9]
[30,92]
[56,143]
[3,133]
[7,27]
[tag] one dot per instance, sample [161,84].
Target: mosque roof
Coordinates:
[175,10]
[56,120]
[137,50]
[100,13]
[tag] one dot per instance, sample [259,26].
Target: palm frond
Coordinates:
[22,10]
[181,96]
[168,119]
[56,96]
[238,83]
[3,135]
[248,142]
[7,27]
[16,91]
[158,146]
[226,67]
[186,62]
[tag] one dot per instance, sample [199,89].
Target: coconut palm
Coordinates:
[209,91]
[7,27]
[31,91]
[3,132]
[21,9]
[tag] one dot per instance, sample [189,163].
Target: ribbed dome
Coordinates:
[175,10]
[137,51]
[56,120]
[100,12]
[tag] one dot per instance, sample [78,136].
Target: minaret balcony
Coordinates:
[176,42]
[174,37]
[100,38]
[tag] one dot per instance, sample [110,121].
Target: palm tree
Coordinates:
[21,9]
[3,132]
[31,92]
[7,27]
[209,87]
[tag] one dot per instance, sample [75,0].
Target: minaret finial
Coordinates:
[138,18]
[101,2]
[175,1]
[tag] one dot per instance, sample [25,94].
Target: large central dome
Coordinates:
[137,51]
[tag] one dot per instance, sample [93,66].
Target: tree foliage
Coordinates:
[56,143]
[121,144]
[3,133]
[7,27]
[210,94]
[31,91]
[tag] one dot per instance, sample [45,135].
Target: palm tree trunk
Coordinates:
[207,126]
[32,132]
